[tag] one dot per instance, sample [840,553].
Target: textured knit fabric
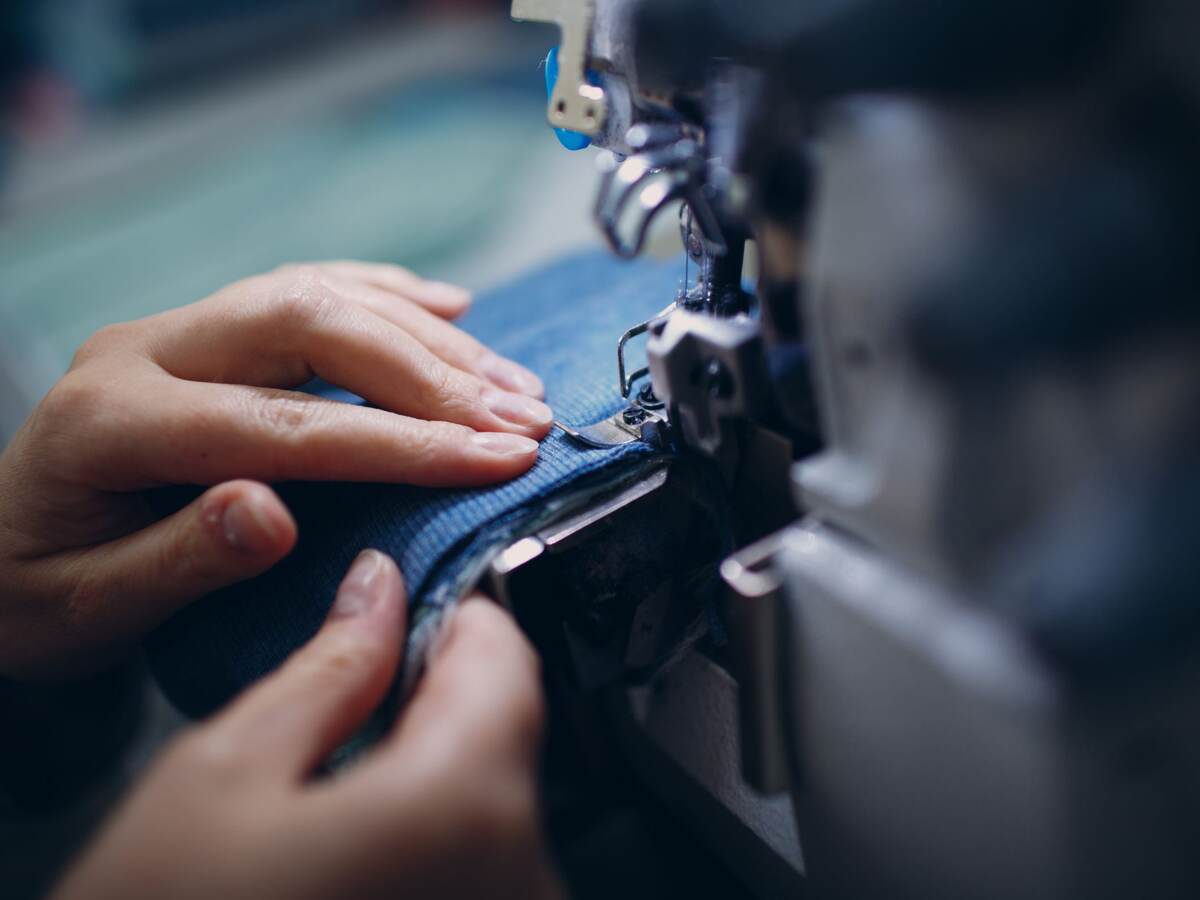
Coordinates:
[563,323]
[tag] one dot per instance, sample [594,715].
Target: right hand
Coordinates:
[445,807]
[203,395]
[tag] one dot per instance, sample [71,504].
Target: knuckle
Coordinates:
[449,391]
[289,416]
[302,299]
[85,594]
[75,398]
[84,615]
[298,272]
[103,341]
[188,562]
[432,441]
[84,409]
[206,748]
[442,380]
[436,449]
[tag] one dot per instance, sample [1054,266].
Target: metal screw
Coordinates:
[635,415]
[647,399]
[717,380]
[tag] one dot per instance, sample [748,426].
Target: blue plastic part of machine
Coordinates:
[572,140]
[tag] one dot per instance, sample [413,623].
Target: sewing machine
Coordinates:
[953,648]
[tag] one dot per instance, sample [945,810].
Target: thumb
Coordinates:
[232,532]
[120,590]
[290,721]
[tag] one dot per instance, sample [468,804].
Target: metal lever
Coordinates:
[575,104]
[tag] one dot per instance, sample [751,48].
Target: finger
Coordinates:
[120,590]
[292,720]
[482,688]
[478,708]
[446,300]
[447,342]
[284,338]
[215,432]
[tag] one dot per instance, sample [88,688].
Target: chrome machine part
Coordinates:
[755,610]
[710,372]
[643,419]
[597,93]
[677,724]
[618,636]
[576,104]
[668,167]
[563,533]
[634,423]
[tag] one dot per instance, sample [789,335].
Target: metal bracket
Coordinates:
[625,380]
[710,372]
[564,534]
[667,167]
[576,105]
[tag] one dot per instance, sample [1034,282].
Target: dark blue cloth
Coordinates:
[563,323]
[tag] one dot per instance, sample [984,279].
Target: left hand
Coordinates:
[203,395]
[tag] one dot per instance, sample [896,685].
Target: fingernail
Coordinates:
[504,444]
[441,637]
[250,527]
[517,408]
[511,376]
[363,586]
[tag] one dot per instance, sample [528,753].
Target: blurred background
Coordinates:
[152,151]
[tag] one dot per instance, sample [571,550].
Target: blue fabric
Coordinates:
[563,323]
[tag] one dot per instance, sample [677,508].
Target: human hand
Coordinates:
[445,806]
[202,395]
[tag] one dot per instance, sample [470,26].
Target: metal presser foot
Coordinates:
[643,420]
[635,423]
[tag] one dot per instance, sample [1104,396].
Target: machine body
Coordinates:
[955,412]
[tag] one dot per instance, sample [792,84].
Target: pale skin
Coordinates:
[447,805]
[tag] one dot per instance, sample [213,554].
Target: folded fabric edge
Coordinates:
[462,569]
